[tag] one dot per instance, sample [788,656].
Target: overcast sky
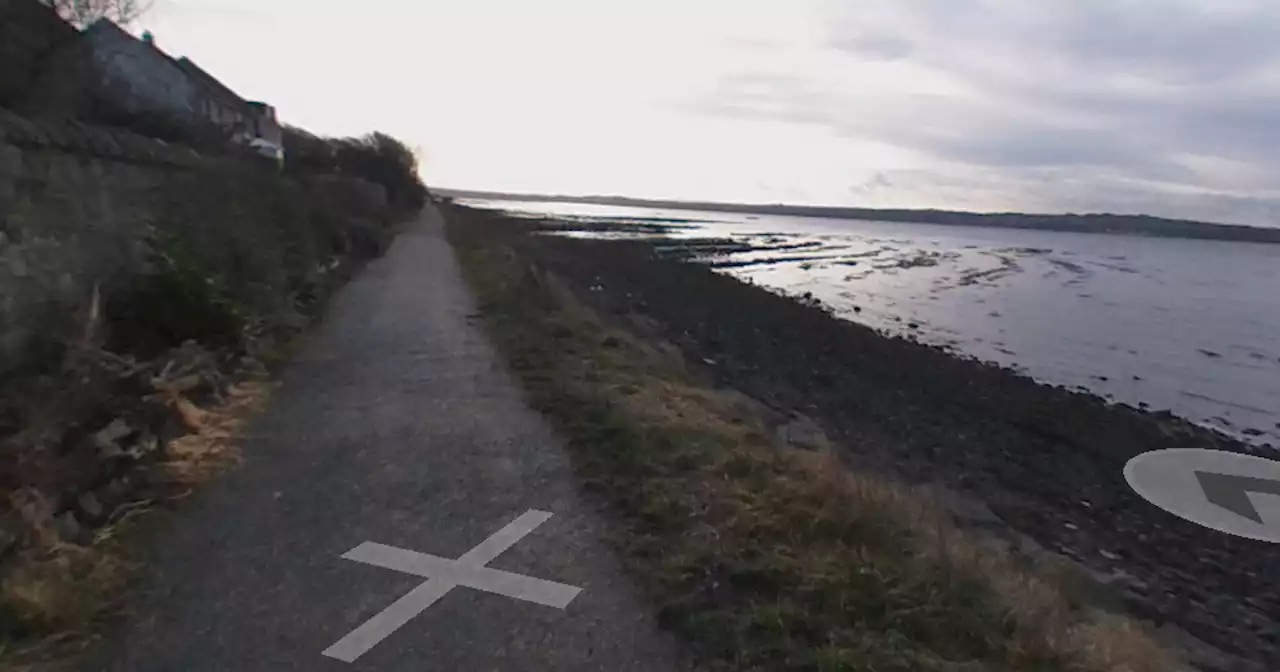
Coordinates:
[1168,107]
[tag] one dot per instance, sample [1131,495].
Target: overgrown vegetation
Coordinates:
[145,391]
[766,557]
[376,157]
[180,299]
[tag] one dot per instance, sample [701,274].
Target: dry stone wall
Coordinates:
[83,209]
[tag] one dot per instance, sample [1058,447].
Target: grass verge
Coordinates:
[761,556]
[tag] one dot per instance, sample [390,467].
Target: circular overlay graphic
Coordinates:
[1228,492]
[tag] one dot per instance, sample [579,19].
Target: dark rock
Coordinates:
[109,501]
[107,439]
[118,489]
[90,506]
[9,536]
[146,445]
[68,527]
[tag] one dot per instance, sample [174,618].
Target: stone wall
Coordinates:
[84,209]
[30,33]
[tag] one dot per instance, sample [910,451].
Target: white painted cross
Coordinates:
[444,575]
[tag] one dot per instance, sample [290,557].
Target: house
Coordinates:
[228,110]
[265,124]
[139,78]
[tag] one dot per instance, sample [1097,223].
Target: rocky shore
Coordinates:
[1043,463]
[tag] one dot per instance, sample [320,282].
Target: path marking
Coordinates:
[1229,492]
[443,575]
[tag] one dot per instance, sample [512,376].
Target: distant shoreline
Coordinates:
[1140,225]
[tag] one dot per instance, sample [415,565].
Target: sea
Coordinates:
[1188,326]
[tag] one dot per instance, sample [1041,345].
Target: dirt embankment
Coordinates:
[1046,461]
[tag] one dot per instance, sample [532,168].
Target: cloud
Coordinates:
[1102,104]
[874,46]
[872,186]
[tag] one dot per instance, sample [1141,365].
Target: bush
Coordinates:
[376,157]
[178,300]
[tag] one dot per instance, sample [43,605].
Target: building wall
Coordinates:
[224,116]
[265,124]
[222,105]
[137,76]
[51,70]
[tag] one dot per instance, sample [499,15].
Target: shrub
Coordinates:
[178,300]
[376,157]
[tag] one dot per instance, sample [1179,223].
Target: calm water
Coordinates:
[1189,326]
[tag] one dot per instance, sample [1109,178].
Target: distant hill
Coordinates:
[1142,225]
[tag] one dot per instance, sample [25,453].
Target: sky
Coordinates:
[1162,107]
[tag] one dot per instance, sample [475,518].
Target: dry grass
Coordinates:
[212,446]
[54,595]
[763,556]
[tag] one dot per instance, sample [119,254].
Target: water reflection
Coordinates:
[1187,325]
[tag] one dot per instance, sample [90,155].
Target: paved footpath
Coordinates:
[399,509]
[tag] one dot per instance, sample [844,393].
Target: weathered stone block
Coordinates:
[55,136]
[110,145]
[14,261]
[10,161]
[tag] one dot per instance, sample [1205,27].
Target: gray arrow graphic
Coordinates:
[1232,492]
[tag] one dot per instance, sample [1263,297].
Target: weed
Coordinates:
[177,300]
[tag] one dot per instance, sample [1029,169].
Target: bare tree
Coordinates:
[82,13]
